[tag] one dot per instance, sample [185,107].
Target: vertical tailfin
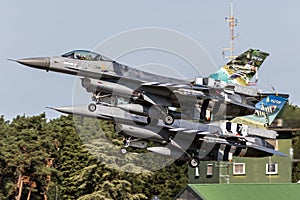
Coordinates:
[266,112]
[241,69]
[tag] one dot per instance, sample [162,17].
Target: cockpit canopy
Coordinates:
[85,55]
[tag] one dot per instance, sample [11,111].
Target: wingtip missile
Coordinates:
[65,110]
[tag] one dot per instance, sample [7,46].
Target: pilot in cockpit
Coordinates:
[79,56]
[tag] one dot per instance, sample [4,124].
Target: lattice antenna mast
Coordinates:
[232,24]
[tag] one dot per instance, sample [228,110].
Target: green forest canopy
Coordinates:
[47,160]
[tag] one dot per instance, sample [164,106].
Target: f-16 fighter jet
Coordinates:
[193,141]
[223,93]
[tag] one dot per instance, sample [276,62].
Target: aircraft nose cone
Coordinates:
[39,63]
[66,110]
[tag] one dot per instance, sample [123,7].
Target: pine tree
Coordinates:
[27,154]
[70,159]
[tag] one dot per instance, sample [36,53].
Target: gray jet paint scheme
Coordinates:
[151,97]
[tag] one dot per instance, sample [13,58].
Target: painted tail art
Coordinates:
[266,112]
[241,69]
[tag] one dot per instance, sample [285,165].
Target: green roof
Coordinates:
[247,191]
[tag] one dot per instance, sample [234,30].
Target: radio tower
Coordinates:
[232,23]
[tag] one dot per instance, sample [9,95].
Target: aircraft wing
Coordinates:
[243,105]
[248,145]
[265,149]
[210,134]
[265,94]
[237,144]
[165,85]
[187,90]
[174,88]
[190,131]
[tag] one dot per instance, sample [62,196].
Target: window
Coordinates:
[85,55]
[272,168]
[239,169]
[209,169]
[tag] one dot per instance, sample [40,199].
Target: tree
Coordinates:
[291,118]
[69,159]
[26,152]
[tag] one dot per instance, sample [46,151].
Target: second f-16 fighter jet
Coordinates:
[222,95]
[188,141]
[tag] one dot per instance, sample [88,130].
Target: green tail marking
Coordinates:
[241,69]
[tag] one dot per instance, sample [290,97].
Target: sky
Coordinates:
[35,28]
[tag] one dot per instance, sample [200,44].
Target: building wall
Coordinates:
[203,177]
[255,169]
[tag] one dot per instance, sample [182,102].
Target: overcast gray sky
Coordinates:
[47,28]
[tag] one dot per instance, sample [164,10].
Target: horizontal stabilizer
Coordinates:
[268,150]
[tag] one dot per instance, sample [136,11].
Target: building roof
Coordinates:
[246,191]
